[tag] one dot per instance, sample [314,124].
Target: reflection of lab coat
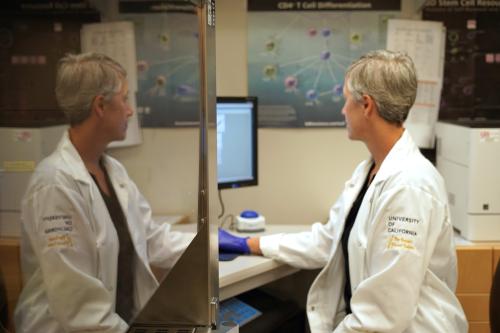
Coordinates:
[70,247]
[401,254]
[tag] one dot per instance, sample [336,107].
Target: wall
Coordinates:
[165,168]
[301,171]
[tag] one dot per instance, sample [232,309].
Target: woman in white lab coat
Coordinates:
[387,254]
[87,234]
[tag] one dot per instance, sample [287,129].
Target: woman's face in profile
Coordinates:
[117,110]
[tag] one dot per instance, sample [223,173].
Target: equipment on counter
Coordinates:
[250,221]
[468,156]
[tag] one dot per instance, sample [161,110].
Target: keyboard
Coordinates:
[237,311]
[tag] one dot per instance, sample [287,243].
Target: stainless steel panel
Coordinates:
[188,296]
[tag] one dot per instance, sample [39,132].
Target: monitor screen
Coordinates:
[236,141]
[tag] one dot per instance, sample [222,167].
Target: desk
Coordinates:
[248,272]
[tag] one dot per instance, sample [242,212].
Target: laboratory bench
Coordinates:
[476,266]
[247,272]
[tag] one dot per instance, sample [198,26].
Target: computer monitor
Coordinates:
[236,142]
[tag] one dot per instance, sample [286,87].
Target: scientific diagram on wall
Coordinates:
[167,67]
[297,61]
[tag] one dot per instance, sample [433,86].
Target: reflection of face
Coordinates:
[353,113]
[116,114]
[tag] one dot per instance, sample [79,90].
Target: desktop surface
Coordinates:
[247,272]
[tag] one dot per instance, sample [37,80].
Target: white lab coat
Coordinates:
[402,257]
[70,247]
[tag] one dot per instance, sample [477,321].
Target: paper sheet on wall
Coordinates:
[117,40]
[424,42]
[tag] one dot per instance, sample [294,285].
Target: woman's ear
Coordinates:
[369,105]
[98,106]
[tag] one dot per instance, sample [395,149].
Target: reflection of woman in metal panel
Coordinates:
[87,234]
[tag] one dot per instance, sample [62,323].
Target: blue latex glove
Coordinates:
[232,244]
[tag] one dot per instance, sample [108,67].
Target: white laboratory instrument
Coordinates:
[468,158]
[250,221]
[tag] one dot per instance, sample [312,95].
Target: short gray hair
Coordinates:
[389,78]
[82,77]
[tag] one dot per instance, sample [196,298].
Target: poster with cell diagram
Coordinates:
[297,60]
[167,68]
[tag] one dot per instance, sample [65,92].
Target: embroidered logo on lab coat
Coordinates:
[57,230]
[402,232]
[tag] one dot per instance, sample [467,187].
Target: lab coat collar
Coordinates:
[391,164]
[73,160]
[360,174]
[119,182]
[77,168]
[403,148]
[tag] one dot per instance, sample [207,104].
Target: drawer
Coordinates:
[476,306]
[479,327]
[474,269]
